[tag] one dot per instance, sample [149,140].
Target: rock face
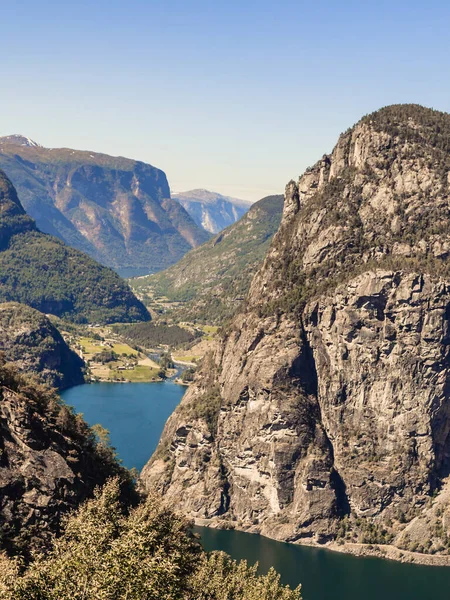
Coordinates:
[49,462]
[210,210]
[41,271]
[117,210]
[32,342]
[211,281]
[324,413]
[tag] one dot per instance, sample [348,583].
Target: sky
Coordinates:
[235,97]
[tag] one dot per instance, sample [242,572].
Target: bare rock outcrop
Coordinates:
[324,414]
[31,341]
[50,461]
[116,210]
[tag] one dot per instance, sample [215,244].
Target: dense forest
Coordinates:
[150,335]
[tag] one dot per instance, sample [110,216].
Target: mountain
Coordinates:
[117,210]
[32,342]
[324,414]
[50,460]
[211,281]
[41,271]
[210,210]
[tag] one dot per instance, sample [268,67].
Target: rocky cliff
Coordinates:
[115,209]
[211,281]
[34,345]
[324,414]
[41,271]
[210,210]
[49,461]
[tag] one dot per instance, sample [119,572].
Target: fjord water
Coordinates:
[135,415]
[327,575]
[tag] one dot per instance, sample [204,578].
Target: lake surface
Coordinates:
[135,415]
[327,575]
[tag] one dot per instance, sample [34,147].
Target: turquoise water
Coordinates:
[135,415]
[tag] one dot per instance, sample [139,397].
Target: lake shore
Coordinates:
[384,551]
[388,552]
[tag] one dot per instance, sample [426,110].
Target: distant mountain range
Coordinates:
[115,209]
[41,271]
[210,210]
[211,281]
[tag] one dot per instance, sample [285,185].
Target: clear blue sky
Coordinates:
[237,97]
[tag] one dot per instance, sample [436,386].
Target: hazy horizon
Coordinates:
[237,98]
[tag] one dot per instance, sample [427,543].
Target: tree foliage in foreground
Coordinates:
[107,553]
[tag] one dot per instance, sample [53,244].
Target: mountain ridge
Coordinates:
[116,209]
[211,281]
[35,346]
[41,271]
[210,210]
[322,417]
[50,461]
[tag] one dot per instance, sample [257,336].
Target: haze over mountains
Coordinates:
[210,210]
[41,271]
[117,210]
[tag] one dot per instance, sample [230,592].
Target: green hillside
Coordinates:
[211,281]
[41,271]
[117,210]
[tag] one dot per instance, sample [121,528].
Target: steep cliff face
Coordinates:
[13,218]
[115,209]
[41,271]
[34,345]
[49,462]
[324,413]
[210,210]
